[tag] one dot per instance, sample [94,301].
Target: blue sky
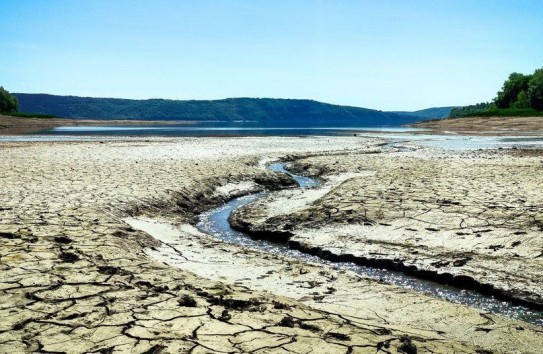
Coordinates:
[389,55]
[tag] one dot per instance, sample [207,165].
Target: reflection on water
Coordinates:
[215,223]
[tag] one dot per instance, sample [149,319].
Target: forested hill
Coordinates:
[432,113]
[261,111]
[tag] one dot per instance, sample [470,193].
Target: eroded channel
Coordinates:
[215,223]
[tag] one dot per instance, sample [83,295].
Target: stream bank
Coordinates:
[232,257]
[338,291]
[229,227]
[360,220]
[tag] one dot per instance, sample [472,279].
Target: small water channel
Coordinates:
[215,223]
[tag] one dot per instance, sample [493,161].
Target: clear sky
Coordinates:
[389,55]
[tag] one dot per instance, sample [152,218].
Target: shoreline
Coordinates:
[10,125]
[476,126]
[484,126]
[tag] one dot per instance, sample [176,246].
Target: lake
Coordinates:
[203,130]
[398,135]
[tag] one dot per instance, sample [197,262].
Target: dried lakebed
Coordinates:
[76,279]
[216,223]
[342,288]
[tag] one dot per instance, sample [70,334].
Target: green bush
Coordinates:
[505,112]
[8,102]
[470,111]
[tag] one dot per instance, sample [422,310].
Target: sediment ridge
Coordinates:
[349,234]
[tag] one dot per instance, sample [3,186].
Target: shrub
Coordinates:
[8,102]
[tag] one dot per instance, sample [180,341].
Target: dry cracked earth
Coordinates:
[77,279]
[473,219]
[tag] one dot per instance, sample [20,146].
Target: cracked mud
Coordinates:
[470,219]
[77,279]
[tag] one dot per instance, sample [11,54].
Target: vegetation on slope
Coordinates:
[257,111]
[432,113]
[31,115]
[9,105]
[521,95]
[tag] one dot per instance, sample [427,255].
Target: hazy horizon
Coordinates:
[388,56]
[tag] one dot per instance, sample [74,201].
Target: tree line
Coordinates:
[255,112]
[522,91]
[521,95]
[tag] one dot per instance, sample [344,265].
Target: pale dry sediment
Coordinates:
[485,126]
[473,219]
[76,279]
[344,293]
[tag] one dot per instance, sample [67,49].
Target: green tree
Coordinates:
[535,90]
[522,101]
[8,102]
[511,89]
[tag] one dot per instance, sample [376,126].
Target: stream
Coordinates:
[215,223]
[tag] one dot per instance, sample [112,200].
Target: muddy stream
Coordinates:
[215,223]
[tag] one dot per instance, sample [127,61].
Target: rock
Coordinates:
[63,239]
[69,257]
[187,301]
[225,316]
[407,346]
[287,322]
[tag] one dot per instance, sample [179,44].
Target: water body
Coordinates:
[396,134]
[98,133]
[206,130]
[303,182]
[215,223]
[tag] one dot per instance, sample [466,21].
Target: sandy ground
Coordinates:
[17,125]
[486,126]
[77,278]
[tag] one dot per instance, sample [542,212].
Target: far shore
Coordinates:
[485,125]
[10,125]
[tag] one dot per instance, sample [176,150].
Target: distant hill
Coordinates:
[431,113]
[257,111]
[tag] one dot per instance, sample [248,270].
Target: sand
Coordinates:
[485,126]
[10,125]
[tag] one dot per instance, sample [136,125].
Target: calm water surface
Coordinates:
[396,134]
[204,130]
